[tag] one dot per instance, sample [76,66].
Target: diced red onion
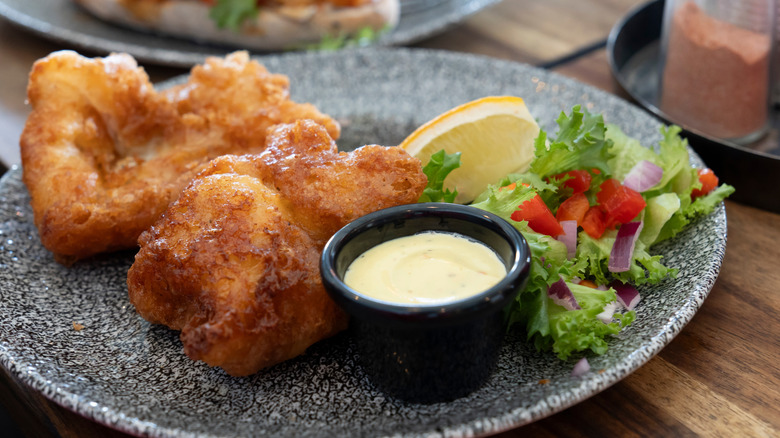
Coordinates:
[643,176]
[561,295]
[627,295]
[623,248]
[569,237]
[581,367]
[609,311]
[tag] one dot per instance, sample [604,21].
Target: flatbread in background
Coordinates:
[276,26]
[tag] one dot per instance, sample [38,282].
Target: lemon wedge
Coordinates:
[495,136]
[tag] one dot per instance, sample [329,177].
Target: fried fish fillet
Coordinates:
[104,153]
[234,262]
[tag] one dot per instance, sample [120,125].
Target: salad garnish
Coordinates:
[591,204]
[437,169]
[230,14]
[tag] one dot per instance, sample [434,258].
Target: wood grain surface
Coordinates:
[719,377]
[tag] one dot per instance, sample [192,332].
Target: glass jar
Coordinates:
[715,63]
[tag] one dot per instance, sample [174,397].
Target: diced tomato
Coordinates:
[608,190]
[708,181]
[573,208]
[579,180]
[594,223]
[588,283]
[539,217]
[513,186]
[620,203]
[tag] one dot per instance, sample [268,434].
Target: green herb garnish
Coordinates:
[231,14]
[437,169]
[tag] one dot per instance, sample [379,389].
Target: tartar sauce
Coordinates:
[425,268]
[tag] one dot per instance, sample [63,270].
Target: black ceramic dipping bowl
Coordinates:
[430,353]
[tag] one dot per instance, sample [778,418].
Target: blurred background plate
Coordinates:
[65,22]
[415,6]
[754,170]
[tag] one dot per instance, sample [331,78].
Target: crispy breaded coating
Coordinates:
[234,262]
[104,153]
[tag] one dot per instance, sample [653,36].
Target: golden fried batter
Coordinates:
[103,153]
[234,262]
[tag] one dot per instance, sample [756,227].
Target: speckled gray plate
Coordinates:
[128,374]
[65,22]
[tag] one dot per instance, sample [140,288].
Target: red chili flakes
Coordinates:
[77,326]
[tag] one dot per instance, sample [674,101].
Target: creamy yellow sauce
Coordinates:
[425,268]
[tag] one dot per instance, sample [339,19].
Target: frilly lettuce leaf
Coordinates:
[439,166]
[627,152]
[707,203]
[594,255]
[658,211]
[580,143]
[547,191]
[691,209]
[568,331]
[673,152]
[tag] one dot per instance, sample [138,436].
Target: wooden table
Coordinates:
[719,377]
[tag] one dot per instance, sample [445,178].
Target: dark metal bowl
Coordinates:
[633,51]
[427,353]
